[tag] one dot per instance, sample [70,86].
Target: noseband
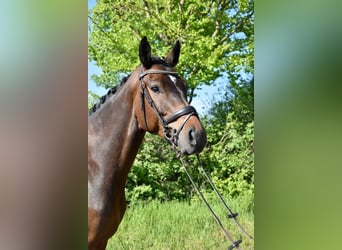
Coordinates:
[170,133]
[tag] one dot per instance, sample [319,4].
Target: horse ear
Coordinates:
[173,56]
[145,53]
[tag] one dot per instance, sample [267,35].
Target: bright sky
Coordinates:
[205,96]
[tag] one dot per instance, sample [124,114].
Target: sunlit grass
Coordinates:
[181,225]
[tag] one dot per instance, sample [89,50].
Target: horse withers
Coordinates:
[152,99]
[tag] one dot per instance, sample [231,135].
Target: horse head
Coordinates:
[164,109]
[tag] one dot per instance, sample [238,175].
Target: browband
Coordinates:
[152,71]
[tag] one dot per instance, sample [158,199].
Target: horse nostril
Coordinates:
[192,137]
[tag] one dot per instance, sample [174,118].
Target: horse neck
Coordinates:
[114,135]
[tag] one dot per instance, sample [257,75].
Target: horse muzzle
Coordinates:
[192,138]
[186,131]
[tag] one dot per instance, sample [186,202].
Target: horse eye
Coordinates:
[155,89]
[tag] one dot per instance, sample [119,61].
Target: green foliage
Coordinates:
[238,99]
[156,173]
[230,148]
[229,158]
[232,158]
[92,99]
[216,37]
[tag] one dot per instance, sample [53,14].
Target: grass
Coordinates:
[181,225]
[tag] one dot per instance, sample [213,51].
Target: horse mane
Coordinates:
[159,60]
[111,91]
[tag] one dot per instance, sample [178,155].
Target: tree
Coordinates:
[216,37]
[230,148]
[238,99]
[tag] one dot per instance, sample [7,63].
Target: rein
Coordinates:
[171,135]
[231,215]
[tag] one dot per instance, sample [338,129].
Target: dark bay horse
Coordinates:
[153,99]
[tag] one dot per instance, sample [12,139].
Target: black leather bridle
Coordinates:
[171,134]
